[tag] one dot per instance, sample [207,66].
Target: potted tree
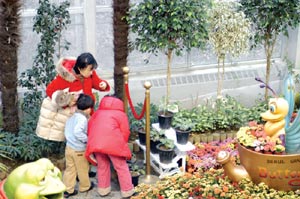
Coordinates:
[169,27]
[270,18]
[166,150]
[229,33]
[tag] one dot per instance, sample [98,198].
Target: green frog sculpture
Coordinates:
[35,180]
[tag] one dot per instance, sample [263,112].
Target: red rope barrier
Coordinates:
[136,116]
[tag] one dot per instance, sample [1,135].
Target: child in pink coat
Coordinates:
[108,133]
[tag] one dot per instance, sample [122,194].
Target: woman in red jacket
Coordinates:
[74,76]
[78,76]
[108,133]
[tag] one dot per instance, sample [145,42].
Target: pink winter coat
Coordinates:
[108,129]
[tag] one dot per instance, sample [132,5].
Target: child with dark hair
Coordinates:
[76,137]
[108,133]
[76,75]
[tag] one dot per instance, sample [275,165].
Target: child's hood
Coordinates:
[64,68]
[111,103]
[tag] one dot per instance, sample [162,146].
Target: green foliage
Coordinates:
[204,121]
[220,114]
[156,135]
[167,143]
[3,154]
[50,21]
[291,66]
[169,26]
[229,29]
[162,25]
[297,100]
[229,33]
[137,124]
[183,120]
[253,113]
[8,142]
[271,18]
[229,114]
[137,170]
[27,146]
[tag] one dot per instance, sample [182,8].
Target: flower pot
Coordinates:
[182,136]
[165,119]
[153,145]
[135,180]
[279,172]
[165,155]
[142,136]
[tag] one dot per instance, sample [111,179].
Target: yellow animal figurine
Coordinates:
[275,117]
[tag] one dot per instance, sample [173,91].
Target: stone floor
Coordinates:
[115,193]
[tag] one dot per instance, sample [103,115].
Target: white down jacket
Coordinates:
[52,120]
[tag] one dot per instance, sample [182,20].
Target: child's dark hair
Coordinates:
[84,102]
[113,95]
[83,61]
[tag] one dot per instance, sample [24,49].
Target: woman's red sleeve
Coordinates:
[96,81]
[57,84]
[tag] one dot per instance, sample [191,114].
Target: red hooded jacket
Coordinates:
[108,129]
[66,79]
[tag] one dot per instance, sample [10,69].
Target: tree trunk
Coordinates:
[269,47]
[221,58]
[9,43]
[120,28]
[169,76]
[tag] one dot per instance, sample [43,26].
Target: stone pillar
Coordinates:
[90,26]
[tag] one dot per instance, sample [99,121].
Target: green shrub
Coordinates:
[297,101]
